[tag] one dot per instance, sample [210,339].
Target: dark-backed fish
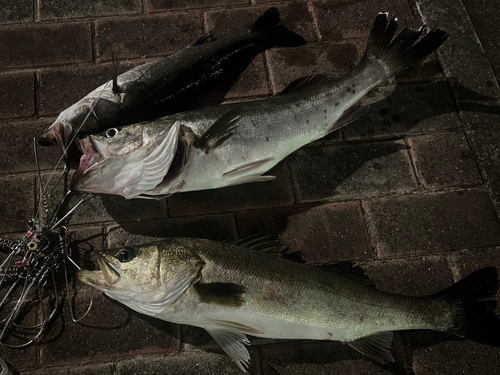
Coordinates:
[232,291]
[203,71]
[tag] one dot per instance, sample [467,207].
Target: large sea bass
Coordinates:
[231,291]
[236,143]
[205,70]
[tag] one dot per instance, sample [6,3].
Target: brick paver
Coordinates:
[411,191]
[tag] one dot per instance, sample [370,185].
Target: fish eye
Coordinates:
[126,254]
[110,133]
[32,246]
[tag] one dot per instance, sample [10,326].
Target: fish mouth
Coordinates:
[90,158]
[105,278]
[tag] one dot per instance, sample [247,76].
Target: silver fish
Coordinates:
[232,291]
[236,143]
[177,83]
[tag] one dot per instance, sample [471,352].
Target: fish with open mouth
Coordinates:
[232,290]
[236,143]
[185,80]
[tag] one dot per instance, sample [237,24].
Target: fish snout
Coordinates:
[53,136]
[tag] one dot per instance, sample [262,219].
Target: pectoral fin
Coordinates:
[219,132]
[234,345]
[376,346]
[223,294]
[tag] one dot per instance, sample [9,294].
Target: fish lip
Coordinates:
[110,272]
[89,159]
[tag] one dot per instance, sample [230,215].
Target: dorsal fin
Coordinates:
[219,132]
[349,270]
[306,83]
[269,244]
[205,39]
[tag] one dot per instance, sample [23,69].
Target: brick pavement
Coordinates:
[411,190]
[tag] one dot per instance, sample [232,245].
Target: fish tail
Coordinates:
[270,33]
[401,52]
[475,316]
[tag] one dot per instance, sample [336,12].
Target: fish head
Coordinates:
[126,161]
[73,119]
[130,273]
[147,278]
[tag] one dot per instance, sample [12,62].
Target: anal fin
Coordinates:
[223,294]
[376,346]
[234,345]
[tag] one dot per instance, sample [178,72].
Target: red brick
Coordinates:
[104,369]
[17,95]
[16,11]
[485,18]
[160,5]
[54,9]
[340,20]
[456,357]
[325,358]
[126,334]
[404,109]
[410,276]
[444,160]
[324,234]
[42,45]
[215,227]
[252,81]
[19,358]
[191,362]
[16,202]
[465,63]
[106,208]
[431,223]
[229,22]
[487,146]
[273,193]
[351,171]
[16,147]
[61,87]
[147,36]
[335,59]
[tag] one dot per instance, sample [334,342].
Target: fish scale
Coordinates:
[237,143]
[232,291]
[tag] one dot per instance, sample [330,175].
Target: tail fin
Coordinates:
[271,34]
[402,52]
[475,296]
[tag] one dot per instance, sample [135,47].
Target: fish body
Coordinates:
[185,80]
[232,291]
[237,143]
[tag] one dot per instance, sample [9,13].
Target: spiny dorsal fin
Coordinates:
[269,244]
[348,270]
[205,39]
[219,132]
[305,83]
[223,294]
[376,346]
